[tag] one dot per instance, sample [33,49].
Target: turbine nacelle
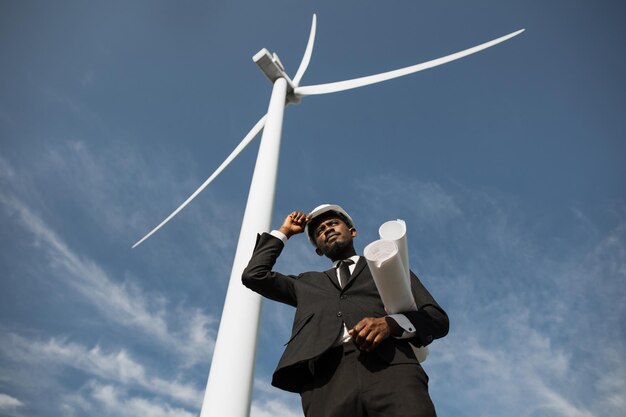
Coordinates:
[274,69]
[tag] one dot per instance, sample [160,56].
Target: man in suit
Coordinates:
[346,356]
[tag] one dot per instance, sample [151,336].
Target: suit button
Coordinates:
[343,297]
[339,314]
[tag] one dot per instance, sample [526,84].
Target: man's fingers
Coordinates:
[371,341]
[369,333]
[298,217]
[379,338]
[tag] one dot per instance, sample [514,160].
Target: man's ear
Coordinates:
[319,252]
[353,232]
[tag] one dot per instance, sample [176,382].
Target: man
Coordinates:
[346,357]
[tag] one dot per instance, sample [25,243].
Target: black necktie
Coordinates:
[344,271]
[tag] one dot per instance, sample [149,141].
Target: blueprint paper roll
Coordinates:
[395,231]
[389,274]
[388,260]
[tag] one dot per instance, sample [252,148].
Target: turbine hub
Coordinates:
[273,69]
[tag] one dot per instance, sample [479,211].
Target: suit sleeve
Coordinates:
[259,277]
[430,320]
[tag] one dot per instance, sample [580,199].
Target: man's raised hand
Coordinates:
[294,223]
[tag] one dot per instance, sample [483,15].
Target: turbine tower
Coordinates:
[229,385]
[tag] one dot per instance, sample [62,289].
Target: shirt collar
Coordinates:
[354,258]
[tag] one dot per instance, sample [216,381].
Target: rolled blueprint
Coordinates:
[390,276]
[395,231]
[388,260]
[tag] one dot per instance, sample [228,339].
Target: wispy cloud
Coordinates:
[271,402]
[531,378]
[9,403]
[117,367]
[124,303]
[272,408]
[107,400]
[126,194]
[427,202]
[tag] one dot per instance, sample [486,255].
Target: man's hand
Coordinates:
[370,332]
[294,224]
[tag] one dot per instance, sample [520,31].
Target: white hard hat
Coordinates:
[325,208]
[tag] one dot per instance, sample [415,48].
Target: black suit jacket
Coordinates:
[322,307]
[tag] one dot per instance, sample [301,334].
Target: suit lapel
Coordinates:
[332,276]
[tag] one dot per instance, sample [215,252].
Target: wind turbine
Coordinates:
[230,379]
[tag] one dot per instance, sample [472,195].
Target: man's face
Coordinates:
[332,236]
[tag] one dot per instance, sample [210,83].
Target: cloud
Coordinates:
[9,403]
[527,380]
[611,384]
[427,202]
[123,303]
[129,195]
[270,402]
[107,400]
[6,171]
[114,195]
[273,408]
[115,366]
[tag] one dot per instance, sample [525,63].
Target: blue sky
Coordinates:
[508,167]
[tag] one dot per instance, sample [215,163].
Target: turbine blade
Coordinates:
[242,145]
[373,79]
[307,53]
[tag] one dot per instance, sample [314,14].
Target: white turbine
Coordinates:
[230,379]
